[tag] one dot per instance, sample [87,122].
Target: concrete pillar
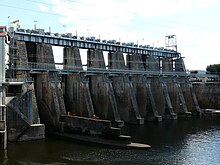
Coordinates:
[179,65]
[76,88]
[98,87]
[172,87]
[167,64]
[116,62]
[72,59]
[167,87]
[22,59]
[189,95]
[178,99]
[95,60]
[124,91]
[136,63]
[187,89]
[152,64]
[152,111]
[48,89]
[158,94]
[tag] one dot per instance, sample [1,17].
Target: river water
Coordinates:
[185,142]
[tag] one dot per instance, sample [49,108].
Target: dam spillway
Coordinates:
[137,84]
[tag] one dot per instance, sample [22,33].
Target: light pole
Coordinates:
[64,29]
[35,24]
[8,21]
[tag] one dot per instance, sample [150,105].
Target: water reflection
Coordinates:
[191,141]
[202,147]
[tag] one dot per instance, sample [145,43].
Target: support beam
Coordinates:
[182,99]
[194,98]
[113,103]
[138,119]
[87,97]
[169,113]
[152,101]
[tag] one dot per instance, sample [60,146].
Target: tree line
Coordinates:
[213,69]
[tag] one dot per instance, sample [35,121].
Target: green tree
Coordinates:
[213,69]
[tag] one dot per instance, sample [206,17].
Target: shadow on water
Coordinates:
[186,141]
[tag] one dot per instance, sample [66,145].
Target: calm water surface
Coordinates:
[185,142]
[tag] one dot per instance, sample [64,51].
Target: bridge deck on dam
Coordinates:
[94,44]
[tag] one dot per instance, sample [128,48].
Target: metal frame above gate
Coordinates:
[88,44]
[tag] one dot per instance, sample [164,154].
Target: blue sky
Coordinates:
[194,22]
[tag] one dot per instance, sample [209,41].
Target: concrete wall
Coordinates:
[23,118]
[86,126]
[22,115]
[208,94]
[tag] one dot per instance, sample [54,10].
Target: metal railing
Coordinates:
[45,67]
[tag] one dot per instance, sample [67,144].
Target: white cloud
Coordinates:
[198,47]
[111,20]
[205,3]
[149,8]
[100,16]
[43,8]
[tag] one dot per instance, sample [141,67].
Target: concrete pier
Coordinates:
[49,93]
[167,64]
[98,88]
[152,64]
[74,84]
[136,88]
[178,99]
[124,91]
[135,63]
[152,112]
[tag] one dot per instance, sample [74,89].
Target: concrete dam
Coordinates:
[138,84]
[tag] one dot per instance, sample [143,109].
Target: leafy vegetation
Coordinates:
[213,69]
